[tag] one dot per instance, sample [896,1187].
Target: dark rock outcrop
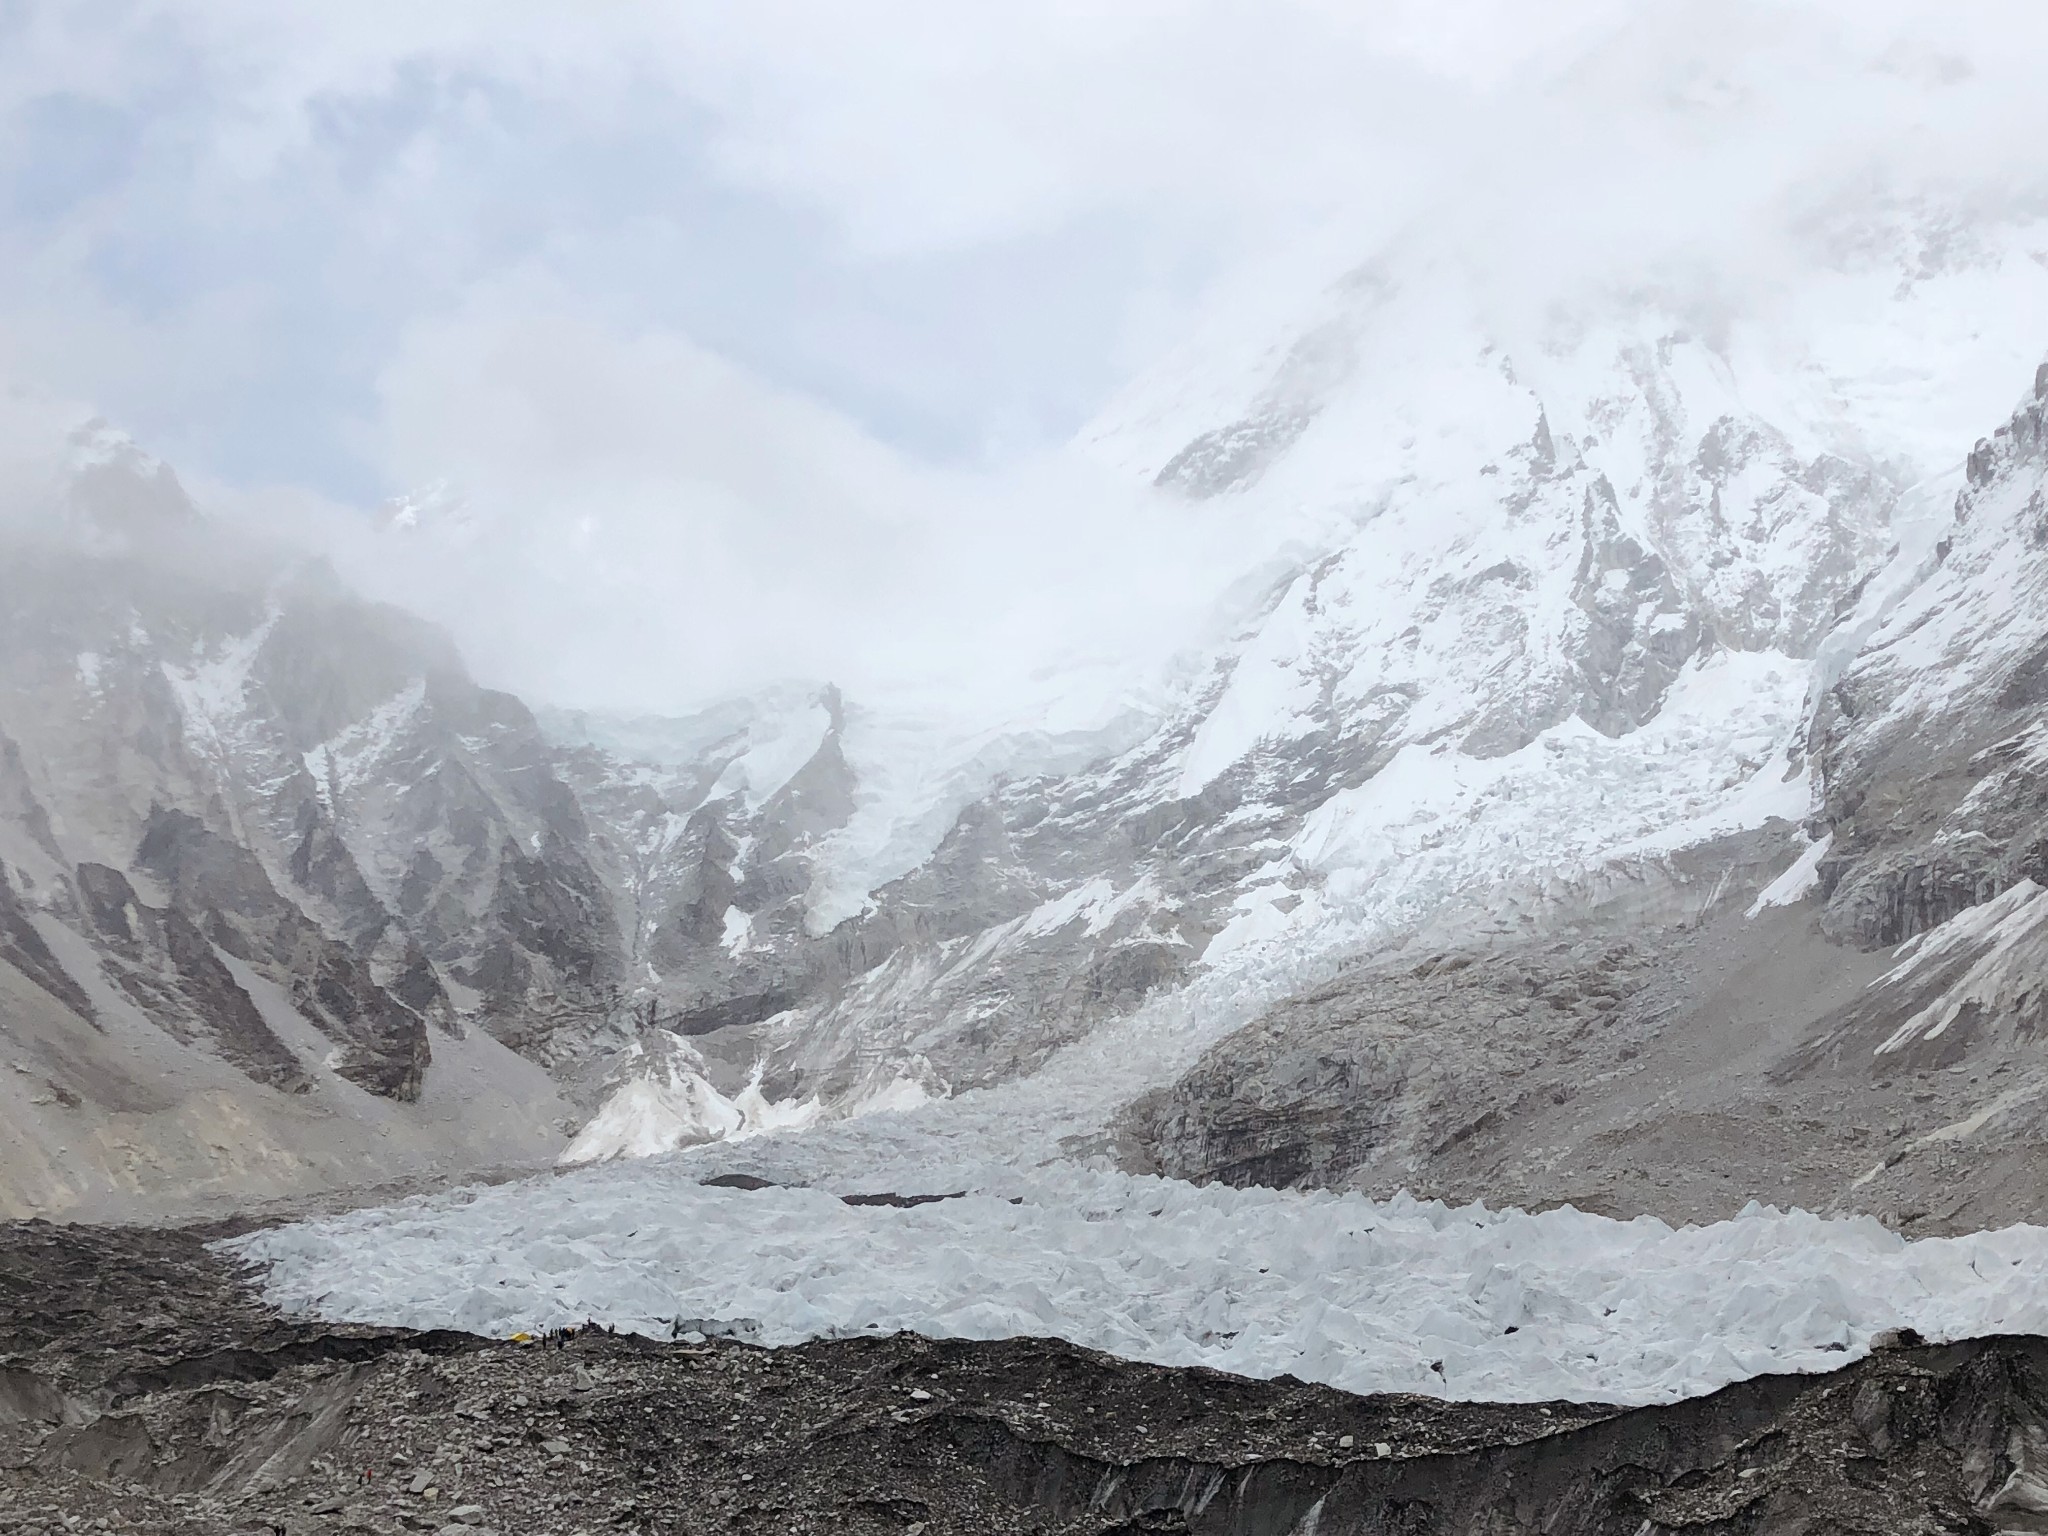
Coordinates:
[22,947]
[169,969]
[1381,1070]
[220,888]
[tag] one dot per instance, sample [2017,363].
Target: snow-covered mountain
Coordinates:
[1565,605]
[1616,1055]
[268,854]
[1607,618]
[1933,731]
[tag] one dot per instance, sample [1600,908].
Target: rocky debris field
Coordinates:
[143,1388]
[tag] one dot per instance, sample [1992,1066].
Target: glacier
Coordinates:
[1370,1296]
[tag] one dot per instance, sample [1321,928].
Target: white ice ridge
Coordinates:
[1369,1296]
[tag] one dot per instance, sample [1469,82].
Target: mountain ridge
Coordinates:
[1570,629]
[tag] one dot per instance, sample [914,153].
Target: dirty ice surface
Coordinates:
[1370,1296]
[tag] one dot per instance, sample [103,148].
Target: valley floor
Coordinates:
[892,1323]
[144,1388]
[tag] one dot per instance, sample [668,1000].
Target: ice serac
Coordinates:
[661,1098]
[1399,1296]
[1932,740]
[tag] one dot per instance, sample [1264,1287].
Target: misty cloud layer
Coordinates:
[748,338]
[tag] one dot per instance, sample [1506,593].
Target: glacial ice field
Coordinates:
[1398,1295]
[1369,1296]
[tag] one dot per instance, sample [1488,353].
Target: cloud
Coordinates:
[635,522]
[752,330]
[956,223]
[715,312]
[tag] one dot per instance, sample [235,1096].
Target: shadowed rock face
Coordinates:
[1374,1076]
[221,888]
[1639,632]
[144,1383]
[169,969]
[24,948]
[217,756]
[1931,743]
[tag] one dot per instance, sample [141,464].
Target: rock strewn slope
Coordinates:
[141,1386]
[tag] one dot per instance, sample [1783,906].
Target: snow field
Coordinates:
[1368,1296]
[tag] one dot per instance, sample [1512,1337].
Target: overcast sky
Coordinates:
[780,307]
[228,221]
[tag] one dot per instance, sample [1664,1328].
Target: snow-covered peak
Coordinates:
[1834,201]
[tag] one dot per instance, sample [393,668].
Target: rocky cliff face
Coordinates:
[1932,737]
[231,787]
[310,777]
